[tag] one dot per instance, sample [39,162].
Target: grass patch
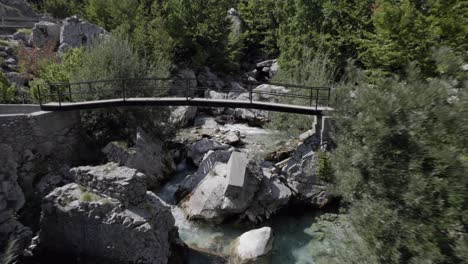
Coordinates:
[90,197]
[26,31]
[4,43]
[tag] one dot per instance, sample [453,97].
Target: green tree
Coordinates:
[261,27]
[114,58]
[407,30]
[199,29]
[63,8]
[113,15]
[7,90]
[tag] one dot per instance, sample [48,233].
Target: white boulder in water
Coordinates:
[252,246]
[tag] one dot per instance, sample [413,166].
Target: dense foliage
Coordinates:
[401,163]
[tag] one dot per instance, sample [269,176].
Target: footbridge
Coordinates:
[278,97]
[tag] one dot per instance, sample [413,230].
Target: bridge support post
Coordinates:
[318,127]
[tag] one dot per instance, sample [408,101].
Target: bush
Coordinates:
[401,163]
[114,58]
[58,71]
[7,91]
[63,8]
[33,60]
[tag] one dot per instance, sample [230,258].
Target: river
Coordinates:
[295,241]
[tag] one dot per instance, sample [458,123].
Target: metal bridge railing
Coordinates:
[187,88]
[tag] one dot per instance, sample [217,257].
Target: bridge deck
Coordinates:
[182,101]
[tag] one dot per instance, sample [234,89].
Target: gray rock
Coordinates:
[272,195]
[265,92]
[182,116]
[196,151]
[81,222]
[274,69]
[45,33]
[208,163]
[231,137]
[266,63]
[16,78]
[301,174]
[53,180]
[122,183]
[10,60]
[252,116]
[209,200]
[252,246]
[76,33]
[147,156]
[11,200]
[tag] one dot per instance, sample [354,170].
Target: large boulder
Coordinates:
[272,195]
[107,217]
[213,199]
[182,116]
[207,164]
[252,246]
[196,151]
[147,156]
[301,174]
[45,33]
[76,33]
[11,200]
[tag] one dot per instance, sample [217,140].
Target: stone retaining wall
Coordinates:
[39,143]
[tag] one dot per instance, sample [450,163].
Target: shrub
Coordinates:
[7,90]
[114,58]
[33,60]
[63,8]
[89,197]
[401,163]
[57,71]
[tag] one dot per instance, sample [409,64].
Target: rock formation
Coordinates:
[147,156]
[11,200]
[107,215]
[301,174]
[76,33]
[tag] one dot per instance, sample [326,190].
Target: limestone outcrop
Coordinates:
[301,174]
[196,151]
[211,201]
[212,198]
[76,33]
[252,246]
[45,33]
[147,156]
[106,215]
